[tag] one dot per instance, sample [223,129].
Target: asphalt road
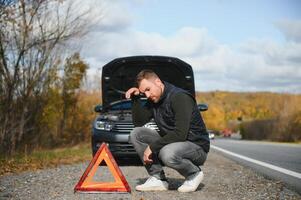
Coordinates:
[224,179]
[275,160]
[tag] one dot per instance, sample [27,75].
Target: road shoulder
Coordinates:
[224,179]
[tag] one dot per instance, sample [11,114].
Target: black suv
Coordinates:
[114,123]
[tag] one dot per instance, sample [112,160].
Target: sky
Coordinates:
[232,45]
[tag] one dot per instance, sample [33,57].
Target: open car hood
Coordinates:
[120,74]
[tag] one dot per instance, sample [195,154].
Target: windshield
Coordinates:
[124,105]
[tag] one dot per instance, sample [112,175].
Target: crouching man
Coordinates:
[182,142]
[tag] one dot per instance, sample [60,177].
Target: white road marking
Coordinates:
[279,169]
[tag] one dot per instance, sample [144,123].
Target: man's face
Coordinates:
[151,88]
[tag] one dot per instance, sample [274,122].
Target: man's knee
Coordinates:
[134,135]
[168,157]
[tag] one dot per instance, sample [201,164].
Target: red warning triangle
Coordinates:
[86,184]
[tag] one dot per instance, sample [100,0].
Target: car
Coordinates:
[211,134]
[114,122]
[226,132]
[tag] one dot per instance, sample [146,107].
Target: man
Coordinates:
[182,142]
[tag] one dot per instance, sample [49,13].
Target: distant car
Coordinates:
[226,132]
[211,134]
[114,123]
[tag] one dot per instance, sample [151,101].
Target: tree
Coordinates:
[32,33]
[74,72]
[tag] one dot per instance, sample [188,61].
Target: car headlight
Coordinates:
[102,125]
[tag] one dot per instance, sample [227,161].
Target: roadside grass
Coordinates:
[45,159]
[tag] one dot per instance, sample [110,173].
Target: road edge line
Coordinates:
[264,164]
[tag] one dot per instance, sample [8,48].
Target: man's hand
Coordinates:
[147,156]
[131,91]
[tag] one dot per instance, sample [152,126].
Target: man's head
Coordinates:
[150,84]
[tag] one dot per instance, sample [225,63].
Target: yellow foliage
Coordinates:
[214,117]
[229,106]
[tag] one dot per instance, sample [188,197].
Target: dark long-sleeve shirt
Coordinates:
[182,106]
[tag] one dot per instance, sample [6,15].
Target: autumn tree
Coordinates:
[74,72]
[32,35]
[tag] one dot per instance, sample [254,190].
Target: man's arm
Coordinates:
[140,114]
[182,106]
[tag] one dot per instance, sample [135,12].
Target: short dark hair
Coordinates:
[145,74]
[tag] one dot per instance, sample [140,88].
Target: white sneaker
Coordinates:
[192,182]
[153,184]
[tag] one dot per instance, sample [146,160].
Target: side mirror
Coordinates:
[98,108]
[202,107]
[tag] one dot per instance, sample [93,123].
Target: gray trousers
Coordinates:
[185,157]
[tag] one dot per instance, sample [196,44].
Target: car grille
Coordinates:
[126,127]
[121,148]
[123,127]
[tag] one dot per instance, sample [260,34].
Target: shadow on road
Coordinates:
[132,161]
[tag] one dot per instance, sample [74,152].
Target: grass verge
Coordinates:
[45,159]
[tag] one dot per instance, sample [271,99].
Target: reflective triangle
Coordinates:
[86,183]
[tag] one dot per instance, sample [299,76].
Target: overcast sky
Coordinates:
[232,45]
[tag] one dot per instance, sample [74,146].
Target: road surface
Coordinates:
[280,161]
[224,179]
